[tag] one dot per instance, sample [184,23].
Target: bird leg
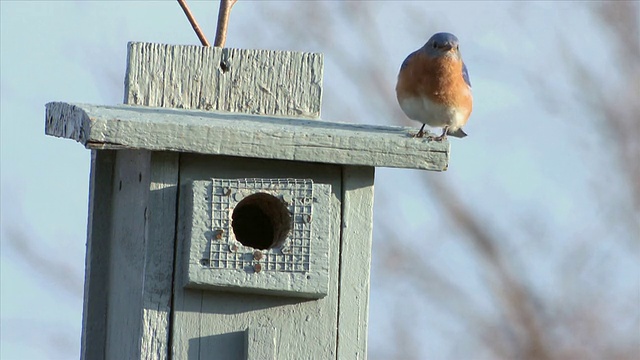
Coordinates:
[420,133]
[443,136]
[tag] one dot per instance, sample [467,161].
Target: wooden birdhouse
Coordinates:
[226,220]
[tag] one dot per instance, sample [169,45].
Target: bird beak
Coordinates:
[449,47]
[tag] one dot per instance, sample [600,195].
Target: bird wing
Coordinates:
[406,61]
[465,74]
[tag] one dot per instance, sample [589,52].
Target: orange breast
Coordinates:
[440,80]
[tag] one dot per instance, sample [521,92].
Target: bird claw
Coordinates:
[422,134]
[437,138]
[443,136]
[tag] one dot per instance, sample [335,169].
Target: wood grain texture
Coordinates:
[141,249]
[355,261]
[216,133]
[262,82]
[126,265]
[130,251]
[159,240]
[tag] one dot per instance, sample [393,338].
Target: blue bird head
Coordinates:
[442,43]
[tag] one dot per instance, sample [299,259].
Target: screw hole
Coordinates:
[261,221]
[120,185]
[140,177]
[224,66]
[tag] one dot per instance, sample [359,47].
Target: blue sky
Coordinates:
[519,158]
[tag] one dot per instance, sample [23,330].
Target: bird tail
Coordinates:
[457,133]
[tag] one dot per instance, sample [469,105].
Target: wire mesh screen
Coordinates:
[228,253]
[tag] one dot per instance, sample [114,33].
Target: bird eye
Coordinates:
[457,47]
[435,45]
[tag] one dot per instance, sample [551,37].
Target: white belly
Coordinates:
[432,114]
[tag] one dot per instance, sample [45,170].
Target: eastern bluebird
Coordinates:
[434,88]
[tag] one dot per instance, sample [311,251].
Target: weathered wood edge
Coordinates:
[98,255]
[357,234]
[218,133]
[66,121]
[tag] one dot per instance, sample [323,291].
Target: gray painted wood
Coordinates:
[212,324]
[263,82]
[126,267]
[312,284]
[130,255]
[355,261]
[141,245]
[97,259]
[159,243]
[215,133]
[261,343]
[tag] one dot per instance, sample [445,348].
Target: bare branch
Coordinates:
[223,22]
[194,23]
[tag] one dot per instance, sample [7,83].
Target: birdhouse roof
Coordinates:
[243,135]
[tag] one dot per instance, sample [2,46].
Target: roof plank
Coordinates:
[245,135]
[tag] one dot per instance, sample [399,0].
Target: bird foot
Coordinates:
[420,134]
[443,136]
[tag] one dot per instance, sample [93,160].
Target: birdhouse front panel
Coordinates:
[232,214]
[260,235]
